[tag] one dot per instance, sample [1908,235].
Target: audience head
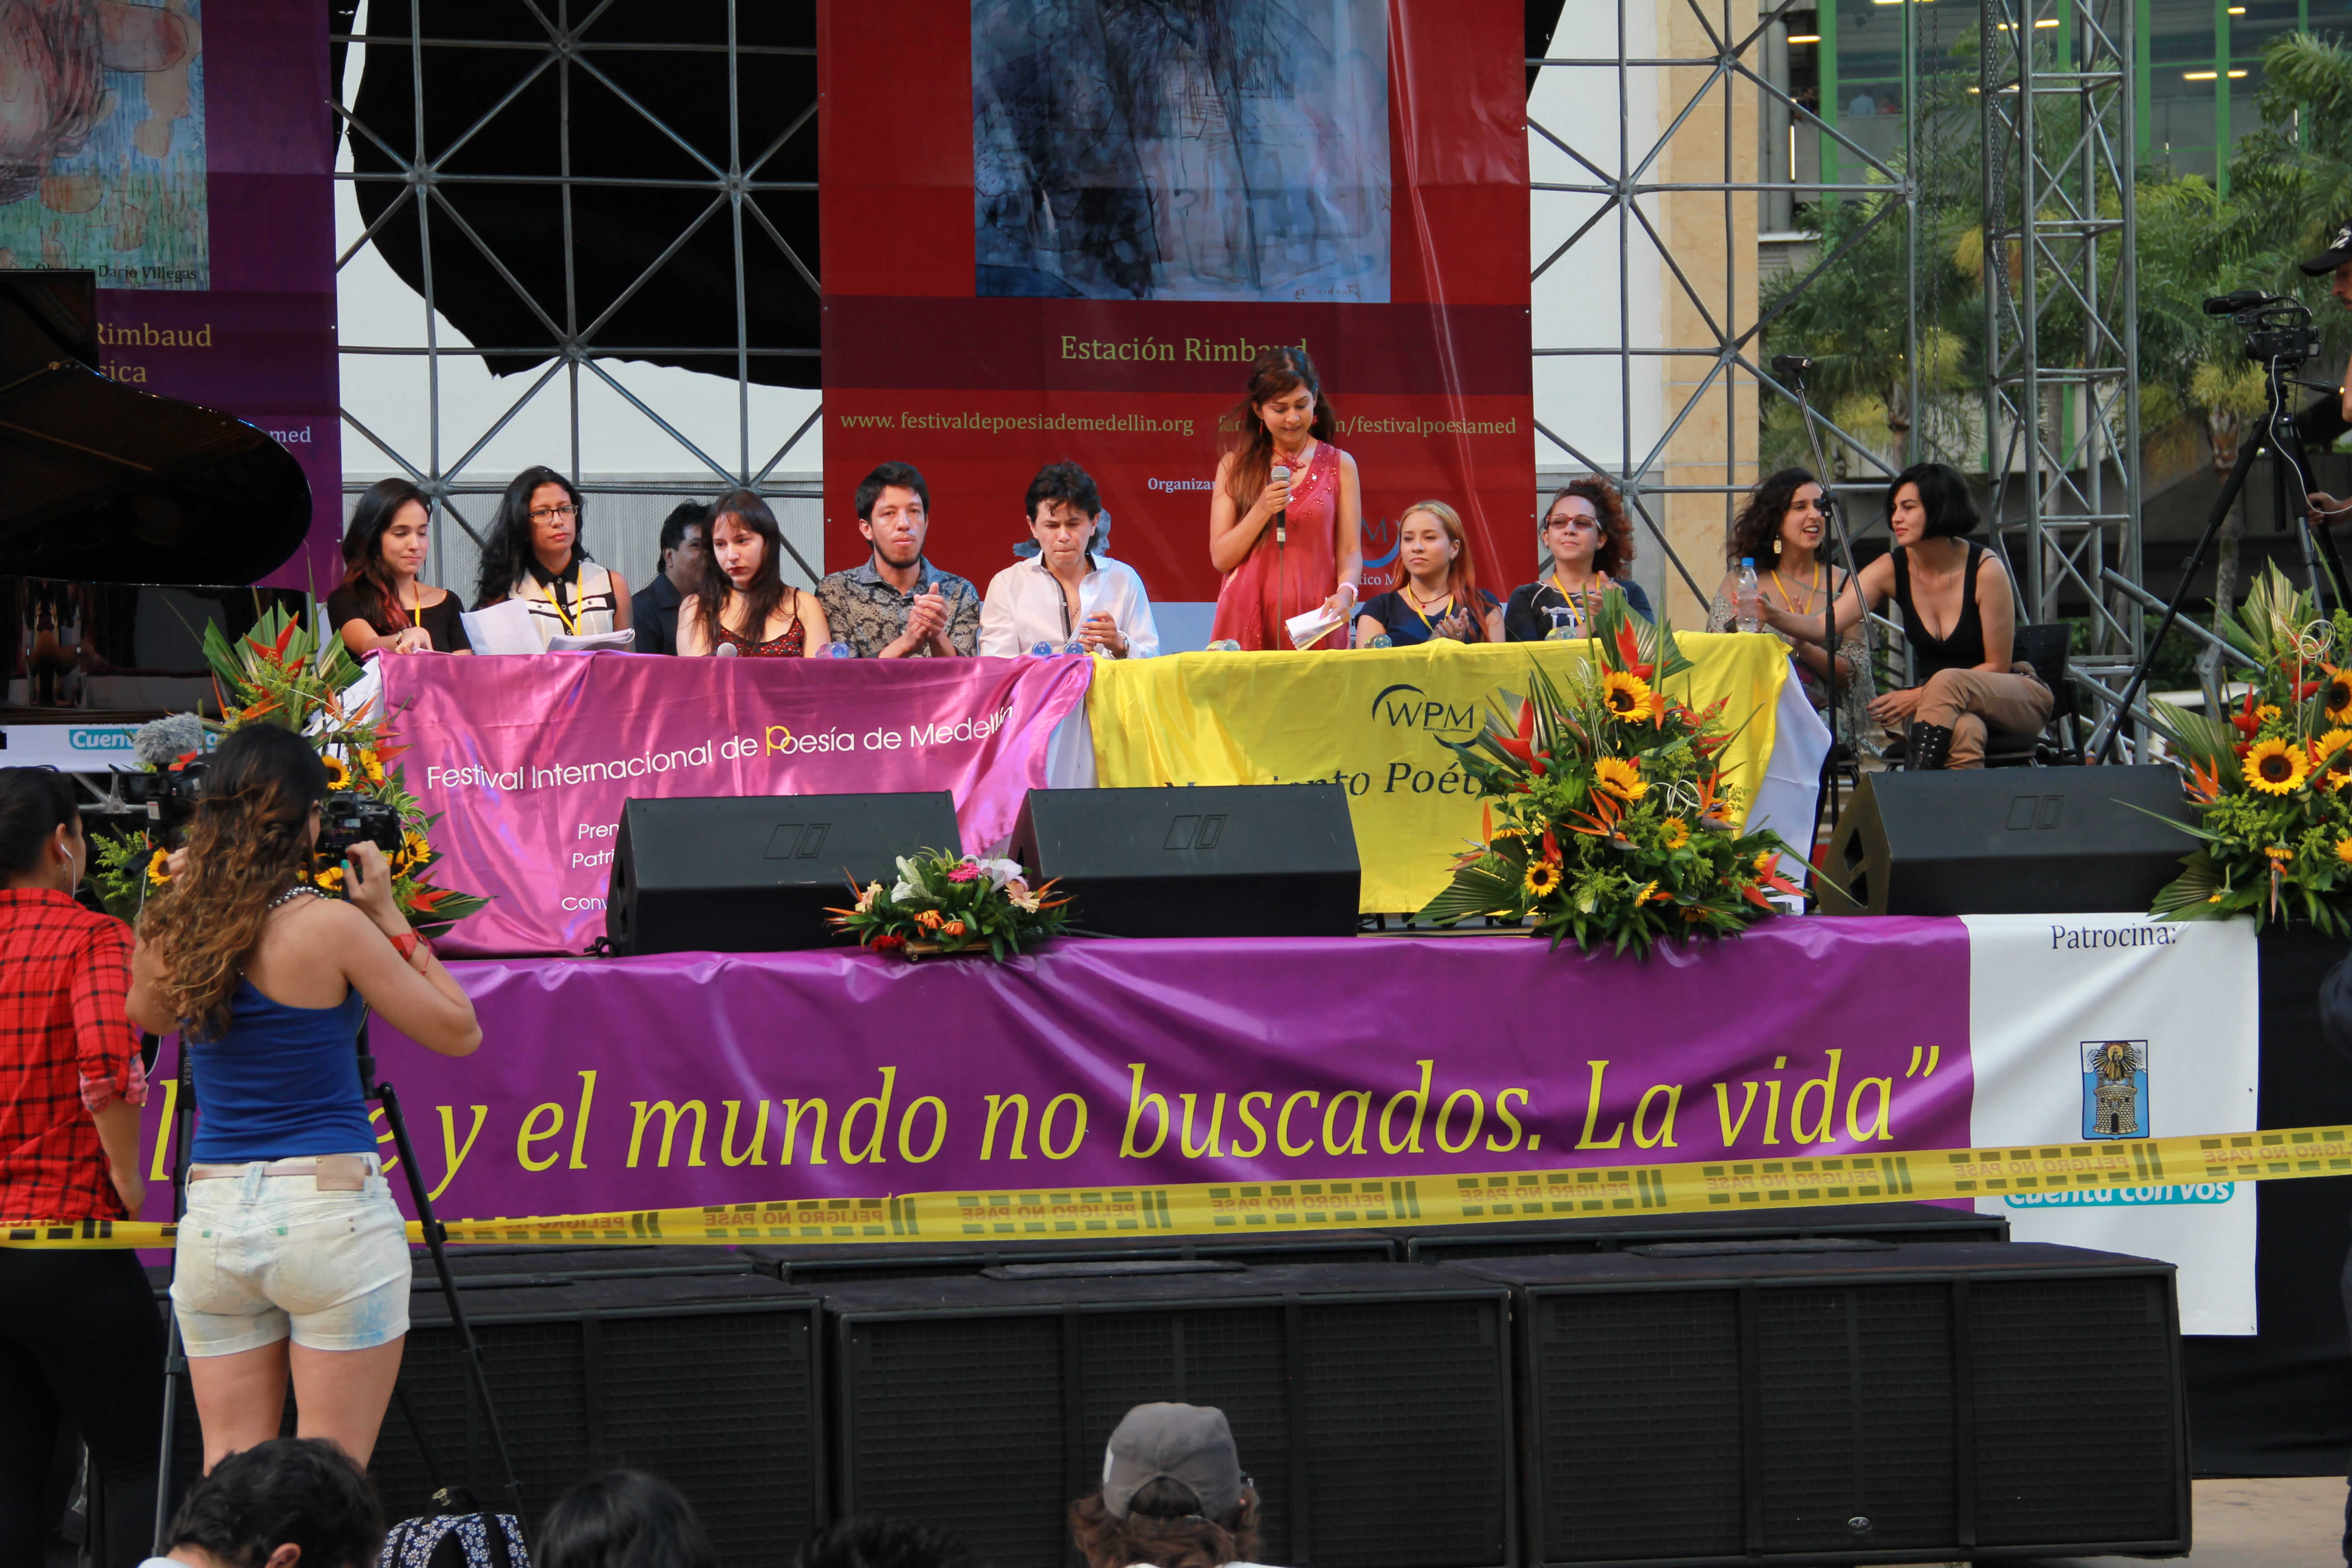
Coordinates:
[538,519]
[685,544]
[1284,400]
[1929,501]
[883,1543]
[40,831]
[390,531]
[626,1519]
[1430,541]
[894,512]
[256,824]
[1785,509]
[288,1501]
[1586,520]
[1061,505]
[1172,1494]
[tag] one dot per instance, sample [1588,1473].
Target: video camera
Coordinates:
[169,795]
[2277,327]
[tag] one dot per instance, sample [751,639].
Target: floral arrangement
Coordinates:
[953,903]
[287,672]
[2269,775]
[1617,825]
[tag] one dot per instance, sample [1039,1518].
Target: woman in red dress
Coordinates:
[1313,556]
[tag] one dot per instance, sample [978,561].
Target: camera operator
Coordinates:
[290,1230]
[2328,417]
[78,1336]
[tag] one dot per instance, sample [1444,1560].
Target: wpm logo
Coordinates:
[2114,1088]
[1407,707]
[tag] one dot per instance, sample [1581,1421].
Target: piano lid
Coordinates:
[102,484]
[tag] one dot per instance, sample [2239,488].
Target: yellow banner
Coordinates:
[1374,719]
[2086,1172]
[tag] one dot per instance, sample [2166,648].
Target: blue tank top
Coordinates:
[281,1083]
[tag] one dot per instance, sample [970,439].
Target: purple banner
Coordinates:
[620,1084]
[529,760]
[203,196]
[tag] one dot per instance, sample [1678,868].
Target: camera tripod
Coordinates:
[175,1358]
[2280,340]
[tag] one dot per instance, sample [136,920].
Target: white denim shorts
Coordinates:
[263,1256]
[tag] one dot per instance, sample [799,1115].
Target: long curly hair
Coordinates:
[1615,550]
[1276,372]
[1757,525]
[507,556]
[1161,1528]
[249,841]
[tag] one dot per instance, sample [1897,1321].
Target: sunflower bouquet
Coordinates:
[2269,775]
[287,673]
[1617,827]
[953,903]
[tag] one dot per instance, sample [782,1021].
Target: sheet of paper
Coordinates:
[1315,623]
[590,642]
[504,627]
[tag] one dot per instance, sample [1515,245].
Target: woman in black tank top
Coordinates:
[1971,681]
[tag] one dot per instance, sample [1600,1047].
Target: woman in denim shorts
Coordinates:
[290,1232]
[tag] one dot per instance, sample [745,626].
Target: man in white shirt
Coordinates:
[1066,593]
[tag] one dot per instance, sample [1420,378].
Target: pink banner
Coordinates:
[529,760]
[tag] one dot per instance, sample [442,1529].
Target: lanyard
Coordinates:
[1446,608]
[1580,603]
[555,597]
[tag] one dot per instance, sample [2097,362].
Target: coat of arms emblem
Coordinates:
[2114,1088]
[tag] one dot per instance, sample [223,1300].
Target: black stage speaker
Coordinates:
[1370,1403]
[486,1266]
[820,1265]
[1213,860]
[1897,1223]
[710,1383]
[756,873]
[1994,841]
[1708,1402]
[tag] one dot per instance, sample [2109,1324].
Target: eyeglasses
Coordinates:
[1573,519]
[554,513]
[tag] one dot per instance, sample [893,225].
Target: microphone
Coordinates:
[1281,519]
[726,650]
[1790,364]
[2232,303]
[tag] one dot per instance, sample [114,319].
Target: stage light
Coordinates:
[2235,75]
[2198,76]
[1804,38]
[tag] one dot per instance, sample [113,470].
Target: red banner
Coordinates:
[1061,231]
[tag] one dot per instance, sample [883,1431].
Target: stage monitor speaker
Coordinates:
[756,873]
[1902,1224]
[1722,1402]
[482,1267]
[1995,841]
[821,1266]
[1369,1401]
[1212,860]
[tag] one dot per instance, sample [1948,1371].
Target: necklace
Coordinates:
[288,895]
[1789,604]
[1414,590]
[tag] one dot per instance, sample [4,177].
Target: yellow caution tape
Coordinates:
[1243,1207]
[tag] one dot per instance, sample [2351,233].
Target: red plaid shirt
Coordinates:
[66,1049]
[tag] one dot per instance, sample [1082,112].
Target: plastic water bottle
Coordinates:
[1076,648]
[1224,645]
[1382,640]
[1040,650]
[1565,624]
[1750,598]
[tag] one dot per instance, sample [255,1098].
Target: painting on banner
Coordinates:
[1063,230]
[182,151]
[2098,1029]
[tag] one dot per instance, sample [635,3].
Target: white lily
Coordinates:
[1000,871]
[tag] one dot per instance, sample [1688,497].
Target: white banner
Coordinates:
[2090,1028]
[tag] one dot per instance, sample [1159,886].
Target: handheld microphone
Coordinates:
[2232,303]
[726,650]
[1281,519]
[1790,364]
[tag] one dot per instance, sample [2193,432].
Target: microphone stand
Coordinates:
[1795,366]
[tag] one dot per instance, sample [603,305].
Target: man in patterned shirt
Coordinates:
[898,605]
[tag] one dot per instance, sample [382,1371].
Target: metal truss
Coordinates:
[2062,348]
[1625,177]
[568,49]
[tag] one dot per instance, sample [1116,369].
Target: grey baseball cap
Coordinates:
[1189,1443]
[2338,251]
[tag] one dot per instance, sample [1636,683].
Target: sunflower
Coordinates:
[1543,878]
[1626,696]
[370,764]
[1693,915]
[2266,713]
[331,878]
[2344,850]
[1619,777]
[2332,758]
[337,775]
[1648,893]
[2274,768]
[2338,691]
[2280,854]
[159,868]
[1677,832]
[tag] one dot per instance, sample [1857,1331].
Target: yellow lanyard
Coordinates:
[1788,602]
[555,597]
[1443,609]
[1581,603]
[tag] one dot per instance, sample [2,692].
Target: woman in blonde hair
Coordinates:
[1437,593]
[290,1232]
